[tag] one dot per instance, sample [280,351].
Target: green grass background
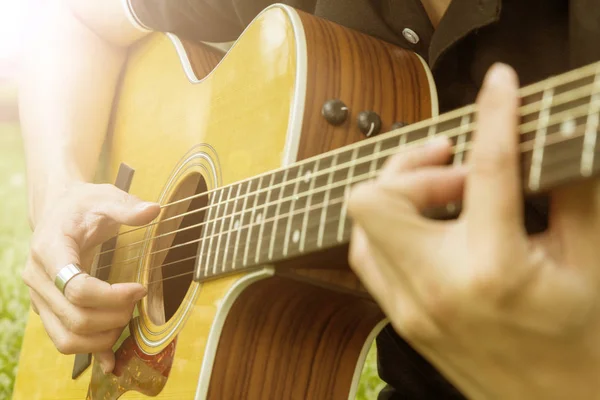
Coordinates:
[14,238]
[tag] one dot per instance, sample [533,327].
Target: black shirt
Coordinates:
[538,38]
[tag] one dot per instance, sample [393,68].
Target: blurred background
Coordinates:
[14,229]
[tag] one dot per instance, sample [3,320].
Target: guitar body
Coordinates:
[188,119]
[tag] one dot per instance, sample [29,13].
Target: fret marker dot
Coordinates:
[296,236]
[236,224]
[307,176]
[258,217]
[296,197]
[568,127]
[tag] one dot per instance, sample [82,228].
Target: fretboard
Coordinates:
[302,208]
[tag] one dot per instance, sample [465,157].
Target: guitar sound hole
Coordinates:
[175,249]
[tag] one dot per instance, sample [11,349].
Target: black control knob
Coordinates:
[397,125]
[369,123]
[335,111]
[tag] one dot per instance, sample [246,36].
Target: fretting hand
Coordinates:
[90,315]
[501,314]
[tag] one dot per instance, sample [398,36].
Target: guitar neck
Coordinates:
[302,208]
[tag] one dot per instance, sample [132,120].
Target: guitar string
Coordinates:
[252,243]
[579,74]
[321,189]
[528,109]
[558,80]
[337,168]
[450,133]
[276,218]
[266,262]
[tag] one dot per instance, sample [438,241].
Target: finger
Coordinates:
[395,202]
[87,291]
[427,187]
[493,197]
[84,290]
[53,251]
[362,263]
[388,211]
[68,342]
[125,208]
[33,305]
[84,320]
[436,152]
[390,289]
[106,359]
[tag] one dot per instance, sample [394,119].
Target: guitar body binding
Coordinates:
[190,120]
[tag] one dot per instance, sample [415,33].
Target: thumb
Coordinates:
[132,212]
[124,208]
[115,207]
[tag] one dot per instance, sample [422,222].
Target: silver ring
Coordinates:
[65,274]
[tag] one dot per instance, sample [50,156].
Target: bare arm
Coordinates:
[71,69]
[71,66]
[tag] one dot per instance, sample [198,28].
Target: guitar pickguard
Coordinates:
[134,370]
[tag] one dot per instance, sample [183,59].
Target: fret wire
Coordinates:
[324,209]
[288,227]
[525,147]
[453,132]
[205,234]
[315,223]
[336,200]
[554,141]
[308,201]
[461,140]
[342,222]
[403,139]
[523,128]
[432,131]
[540,140]
[221,228]
[566,97]
[354,180]
[214,226]
[527,91]
[231,219]
[591,132]
[262,222]
[278,207]
[240,228]
[252,216]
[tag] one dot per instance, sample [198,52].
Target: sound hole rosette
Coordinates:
[199,168]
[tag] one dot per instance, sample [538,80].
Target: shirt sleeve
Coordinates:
[200,20]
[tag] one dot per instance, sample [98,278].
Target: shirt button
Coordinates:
[410,36]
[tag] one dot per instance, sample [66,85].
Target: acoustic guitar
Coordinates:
[251,155]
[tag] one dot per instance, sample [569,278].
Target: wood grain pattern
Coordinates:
[366,74]
[291,340]
[160,122]
[203,60]
[291,336]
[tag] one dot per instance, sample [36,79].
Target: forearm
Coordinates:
[65,97]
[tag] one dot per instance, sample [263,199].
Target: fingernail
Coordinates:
[438,142]
[145,205]
[141,295]
[104,368]
[499,74]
